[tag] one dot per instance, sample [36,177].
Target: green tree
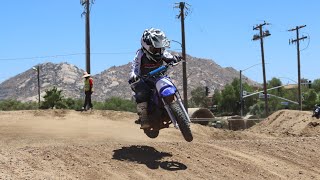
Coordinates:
[316,85]
[53,98]
[274,103]
[229,101]
[292,94]
[236,87]
[274,82]
[199,98]
[217,97]
[257,109]
[249,101]
[310,99]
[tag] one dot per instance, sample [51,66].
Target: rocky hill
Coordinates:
[24,86]
[112,81]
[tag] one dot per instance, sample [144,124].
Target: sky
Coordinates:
[38,31]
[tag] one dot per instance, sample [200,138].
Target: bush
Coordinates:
[10,104]
[53,98]
[117,104]
[72,103]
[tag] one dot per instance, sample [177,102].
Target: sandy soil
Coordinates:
[58,144]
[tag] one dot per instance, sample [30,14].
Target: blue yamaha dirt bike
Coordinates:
[165,106]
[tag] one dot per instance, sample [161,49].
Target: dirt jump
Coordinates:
[63,144]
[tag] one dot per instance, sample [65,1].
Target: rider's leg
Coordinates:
[142,95]
[142,109]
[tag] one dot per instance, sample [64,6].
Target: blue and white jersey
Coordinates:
[141,65]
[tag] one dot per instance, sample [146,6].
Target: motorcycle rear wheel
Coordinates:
[182,121]
[151,133]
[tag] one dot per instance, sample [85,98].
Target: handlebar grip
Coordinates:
[161,68]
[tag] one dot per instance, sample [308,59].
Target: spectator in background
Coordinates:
[88,89]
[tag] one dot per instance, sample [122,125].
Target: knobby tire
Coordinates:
[182,121]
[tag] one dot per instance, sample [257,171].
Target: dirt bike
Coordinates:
[316,112]
[165,106]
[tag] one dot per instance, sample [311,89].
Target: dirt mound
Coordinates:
[52,112]
[289,123]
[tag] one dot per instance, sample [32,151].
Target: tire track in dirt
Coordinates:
[108,145]
[291,157]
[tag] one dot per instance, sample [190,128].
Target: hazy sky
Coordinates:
[37,31]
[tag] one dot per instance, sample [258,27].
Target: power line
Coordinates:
[308,37]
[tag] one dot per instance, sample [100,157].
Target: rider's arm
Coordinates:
[135,67]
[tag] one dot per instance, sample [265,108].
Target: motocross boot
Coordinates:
[142,109]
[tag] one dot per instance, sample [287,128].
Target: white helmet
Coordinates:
[154,42]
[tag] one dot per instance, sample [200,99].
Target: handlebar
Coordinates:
[161,69]
[155,72]
[158,70]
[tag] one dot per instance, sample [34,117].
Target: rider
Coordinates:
[149,57]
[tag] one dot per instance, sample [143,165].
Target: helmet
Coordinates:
[154,42]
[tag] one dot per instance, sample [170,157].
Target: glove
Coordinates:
[133,78]
[177,58]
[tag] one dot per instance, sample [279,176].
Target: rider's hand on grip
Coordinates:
[133,78]
[176,59]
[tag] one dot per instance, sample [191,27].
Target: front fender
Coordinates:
[168,91]
[165,87]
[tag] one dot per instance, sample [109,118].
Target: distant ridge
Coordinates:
[112,81]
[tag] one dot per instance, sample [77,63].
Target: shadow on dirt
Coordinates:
[149,156]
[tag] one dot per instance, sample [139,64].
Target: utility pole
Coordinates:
[86,4]
[182,6]
[298,55]
[241,95]
[260,36]
[38,77]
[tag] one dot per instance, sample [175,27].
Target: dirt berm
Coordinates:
[58,144]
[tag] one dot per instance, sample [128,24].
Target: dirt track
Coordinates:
[108,145]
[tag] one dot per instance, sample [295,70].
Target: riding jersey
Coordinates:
[141,65]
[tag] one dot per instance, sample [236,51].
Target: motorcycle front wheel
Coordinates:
[182,121]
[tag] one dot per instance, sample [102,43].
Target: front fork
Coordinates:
[168,101]
[184,109]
